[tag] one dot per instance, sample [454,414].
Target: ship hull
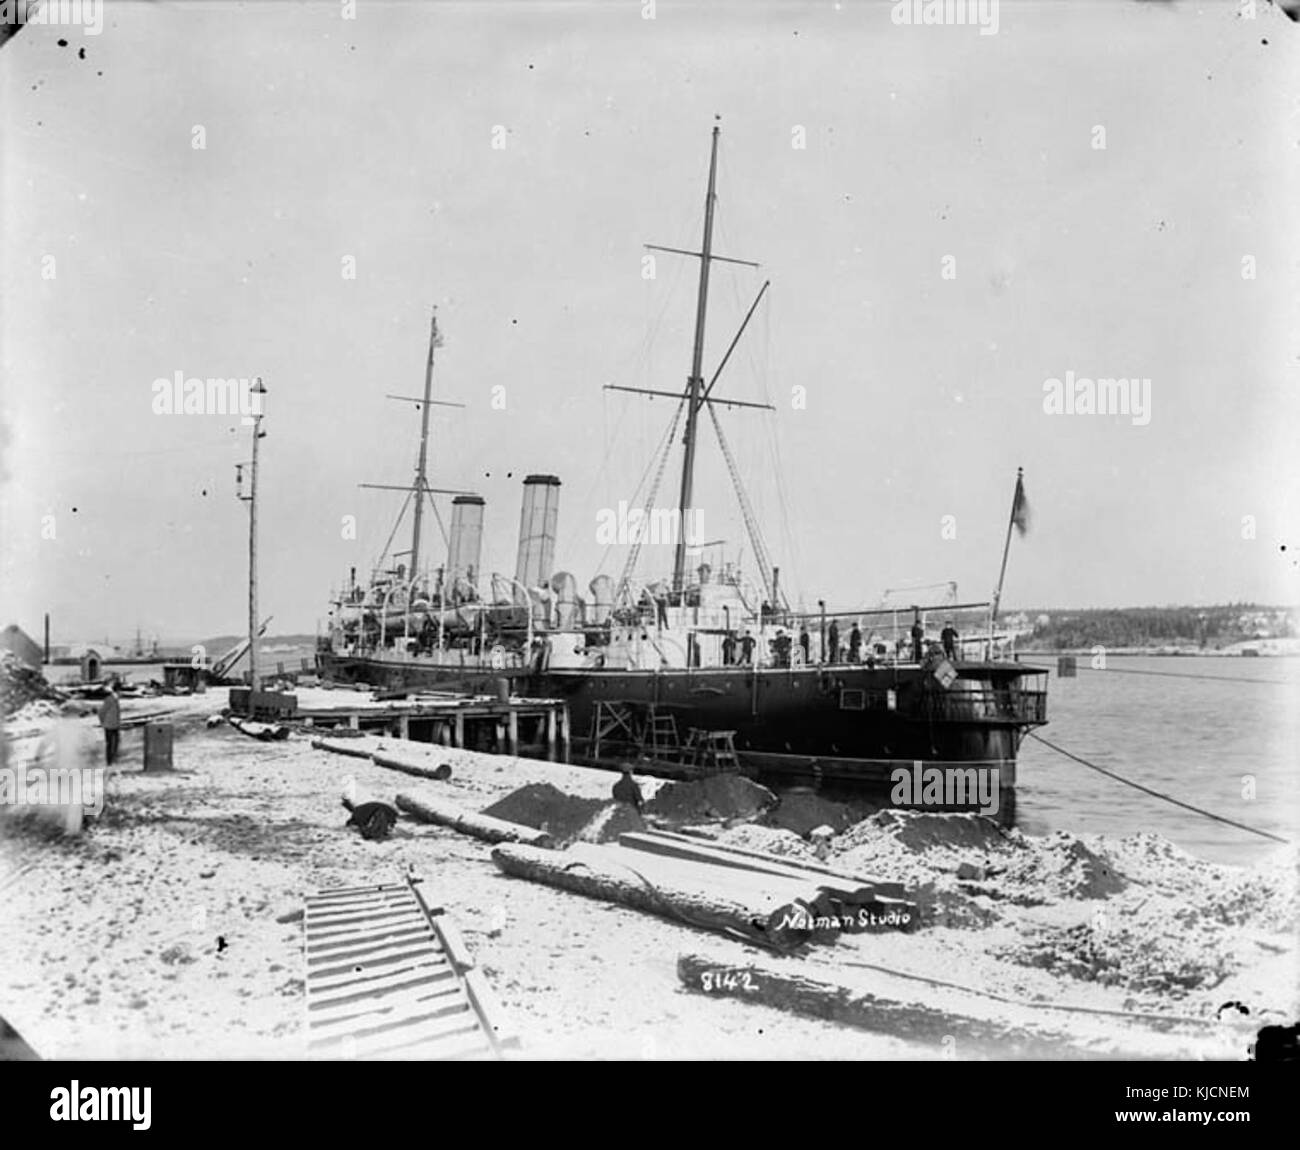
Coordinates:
[846,727]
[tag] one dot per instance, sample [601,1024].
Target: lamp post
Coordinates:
[258,390]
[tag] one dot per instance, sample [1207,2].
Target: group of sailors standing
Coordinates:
[739,650]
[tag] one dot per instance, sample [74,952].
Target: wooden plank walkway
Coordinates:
[390,978]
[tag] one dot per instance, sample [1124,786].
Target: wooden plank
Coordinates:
[892,889]
[346,1018]
[344,992]
[453,944]
[489,1010]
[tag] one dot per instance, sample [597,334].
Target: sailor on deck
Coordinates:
[949,637]
[747,648]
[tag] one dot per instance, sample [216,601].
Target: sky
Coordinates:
[942,232]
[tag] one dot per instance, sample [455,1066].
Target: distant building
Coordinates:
[15,640]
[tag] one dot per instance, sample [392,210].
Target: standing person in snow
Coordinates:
[110,718]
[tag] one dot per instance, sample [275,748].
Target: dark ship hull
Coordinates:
[842,726]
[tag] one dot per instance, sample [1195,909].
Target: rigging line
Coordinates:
[396,524]
[630,565]
[1158,794]
[761,556]
[1182,675]
[650,462]
[602,471]
[437,515]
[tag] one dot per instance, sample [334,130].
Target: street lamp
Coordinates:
[258,390]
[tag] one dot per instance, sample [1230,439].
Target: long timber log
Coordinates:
[341,747]
[855,906]
[472,823]
[725,911]
[964,1026]
[442,772]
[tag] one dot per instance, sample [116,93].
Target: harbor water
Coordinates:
[1204,730]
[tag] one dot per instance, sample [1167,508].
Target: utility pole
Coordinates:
[259,389]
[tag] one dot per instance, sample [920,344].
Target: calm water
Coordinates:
[1192,738]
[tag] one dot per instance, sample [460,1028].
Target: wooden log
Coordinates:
[611,882]
[472,823]
[858,907]
[341,747]
[815,998]
[442,772]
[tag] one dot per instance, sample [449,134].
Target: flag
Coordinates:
[1020,507]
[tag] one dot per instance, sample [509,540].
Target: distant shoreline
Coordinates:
[1154,653]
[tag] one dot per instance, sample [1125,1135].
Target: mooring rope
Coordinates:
[1159,794]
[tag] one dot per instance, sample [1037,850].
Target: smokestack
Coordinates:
[602,592]
[537,524]
[47,637]
[565,587]
[465,543]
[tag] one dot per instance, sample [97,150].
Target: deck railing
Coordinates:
[1009,705]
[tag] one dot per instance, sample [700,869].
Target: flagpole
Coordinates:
[1006,547]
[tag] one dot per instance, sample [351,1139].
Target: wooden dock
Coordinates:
[489,723]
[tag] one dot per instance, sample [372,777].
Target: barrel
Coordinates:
[503,690]
[158,746]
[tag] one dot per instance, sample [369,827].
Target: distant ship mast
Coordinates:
[419,487]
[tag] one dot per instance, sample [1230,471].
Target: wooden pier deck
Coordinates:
[513,726]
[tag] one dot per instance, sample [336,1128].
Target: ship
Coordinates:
[710,666]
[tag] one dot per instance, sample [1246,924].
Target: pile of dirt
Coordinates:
[21,684]
[802,811]
[922,831]
[612,820]
[719,797]
[566,818]
[546,808]
[1136,958]
[1062,866]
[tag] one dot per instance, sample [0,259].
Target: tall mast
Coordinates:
[421,483]
[697,377]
